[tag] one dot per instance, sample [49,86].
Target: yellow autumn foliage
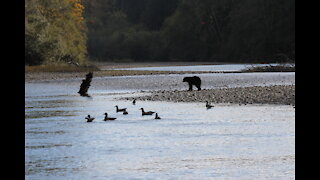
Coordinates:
[77,11]
[55,32]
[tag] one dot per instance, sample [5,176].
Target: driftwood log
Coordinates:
[85,85]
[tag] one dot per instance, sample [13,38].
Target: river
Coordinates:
[188,142]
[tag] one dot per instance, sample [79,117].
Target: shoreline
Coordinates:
[274,94]
[108,69]
[105,69]
[56,76]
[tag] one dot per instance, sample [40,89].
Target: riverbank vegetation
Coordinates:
[75,32]
[191,30]
[55,33]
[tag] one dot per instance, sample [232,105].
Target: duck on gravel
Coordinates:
[208,106]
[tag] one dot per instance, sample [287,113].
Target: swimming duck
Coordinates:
[89,118]
[106,118]
[146,113]
[134,102]
[120,110]
[125,112]
[157,117]
[208,106]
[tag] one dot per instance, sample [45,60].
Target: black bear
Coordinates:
[195,80]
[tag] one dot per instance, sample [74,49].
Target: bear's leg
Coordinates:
[190,87]
[199,88]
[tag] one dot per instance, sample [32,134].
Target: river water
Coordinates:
[212,68]
[189,142]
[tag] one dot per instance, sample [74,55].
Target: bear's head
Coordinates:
[184,79]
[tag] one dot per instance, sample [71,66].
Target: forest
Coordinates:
[76,31]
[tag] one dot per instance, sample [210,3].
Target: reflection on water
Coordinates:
[189,142]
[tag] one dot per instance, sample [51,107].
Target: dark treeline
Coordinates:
[191,30]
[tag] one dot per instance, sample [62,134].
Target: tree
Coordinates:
[260,29]
[55,32]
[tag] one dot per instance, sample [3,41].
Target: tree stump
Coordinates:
[85,85]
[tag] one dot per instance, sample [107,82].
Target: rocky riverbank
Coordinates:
[268,88]
[278,94]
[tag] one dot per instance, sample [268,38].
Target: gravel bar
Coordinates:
[277,94]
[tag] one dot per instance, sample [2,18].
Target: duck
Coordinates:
[120,110]
[157,117]
[89,118]
[134,102]
[125,112]
[106,118]
[146,113]
[208,106]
